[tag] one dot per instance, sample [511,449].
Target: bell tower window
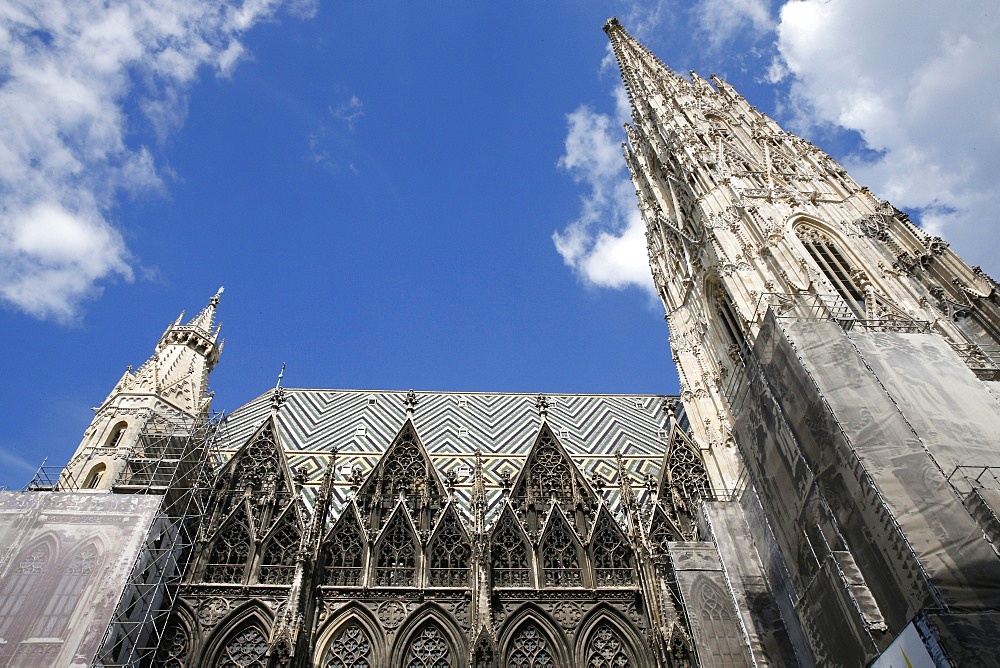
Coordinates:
[835,267]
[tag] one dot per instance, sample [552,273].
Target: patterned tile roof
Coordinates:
[361,424]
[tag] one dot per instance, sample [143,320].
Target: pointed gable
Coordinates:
[510,551]
[550,475]
[404,472]
[396,551]
[683,480]
[612,553]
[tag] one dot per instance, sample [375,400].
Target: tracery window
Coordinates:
[835,267]
[606,650]
[661,534]
[530,649]
[548,475]
[245,650]
[345,554]
[174,646]
[612,555]
[278,562]
[509,554]
[228,559]
[449,555]
[351,648]
[18,590]
[560,557]
[396,561]
[259,462]
[403,467]
[686,474]
[428,649]
[55,616]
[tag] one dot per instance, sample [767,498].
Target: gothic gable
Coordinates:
[449,552]
[510,551]
[560,553]
[403,473]
[396,551]
[550,475]
[611,553]
[683,480]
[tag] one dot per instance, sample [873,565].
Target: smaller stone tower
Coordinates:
[174,380]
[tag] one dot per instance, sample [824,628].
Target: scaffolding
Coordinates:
[174,456]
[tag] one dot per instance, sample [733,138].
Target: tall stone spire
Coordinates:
[740,213]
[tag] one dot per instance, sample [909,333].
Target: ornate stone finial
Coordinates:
[670,406]
[214,301]
[598,480]
[281,374]
[611,23]
[450,478]
[542,404]
[410,402]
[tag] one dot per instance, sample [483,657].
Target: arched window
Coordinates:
[428,648]
[246,649]
[509,560]
[530,649]
[835,267]
[560,557]
[72,582]
[115,437]
[227,561]
[93,478]
[350,648]
[174,646]
[606,649]
[449,555]
[277,564]
[19,589]
[396,563]
[729,323]
[345,552]
[612,555]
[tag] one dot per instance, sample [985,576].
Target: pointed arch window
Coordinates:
[612,555]
[661,531]
[350,648]
[93,478]
[278,561]
[115,437]
[728,320]
[509,559]
[428,649]
[396,563]
[605,649]
[560,556]
[530,649]
[174,647]
[449,555]
[345,554]
[227,560]
[247,649]
[835,267]
[19,589]
[58,610]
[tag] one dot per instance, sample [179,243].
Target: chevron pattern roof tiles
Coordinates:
[592,428]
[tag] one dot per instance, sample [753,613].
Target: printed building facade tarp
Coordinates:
[65,559]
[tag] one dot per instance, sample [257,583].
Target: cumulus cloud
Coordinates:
[920,82]
[721,20]
[606,243]
[68,70]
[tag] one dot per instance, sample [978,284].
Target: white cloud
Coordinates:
[67,69]
[920,81]
[606,244]
[349,112]
[721,20]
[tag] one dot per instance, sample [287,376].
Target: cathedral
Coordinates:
[824,490]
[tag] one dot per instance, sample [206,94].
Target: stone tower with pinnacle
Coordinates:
[840,370]
[741,215]
[174,380]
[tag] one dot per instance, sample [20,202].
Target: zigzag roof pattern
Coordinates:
[361,424]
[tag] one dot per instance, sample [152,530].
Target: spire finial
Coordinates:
[542,404]
[278,393]
[281,374]
[214,301]
[410,402]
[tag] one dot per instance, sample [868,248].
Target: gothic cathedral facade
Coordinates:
[824,490]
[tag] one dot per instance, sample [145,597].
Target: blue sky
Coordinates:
[399,195]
